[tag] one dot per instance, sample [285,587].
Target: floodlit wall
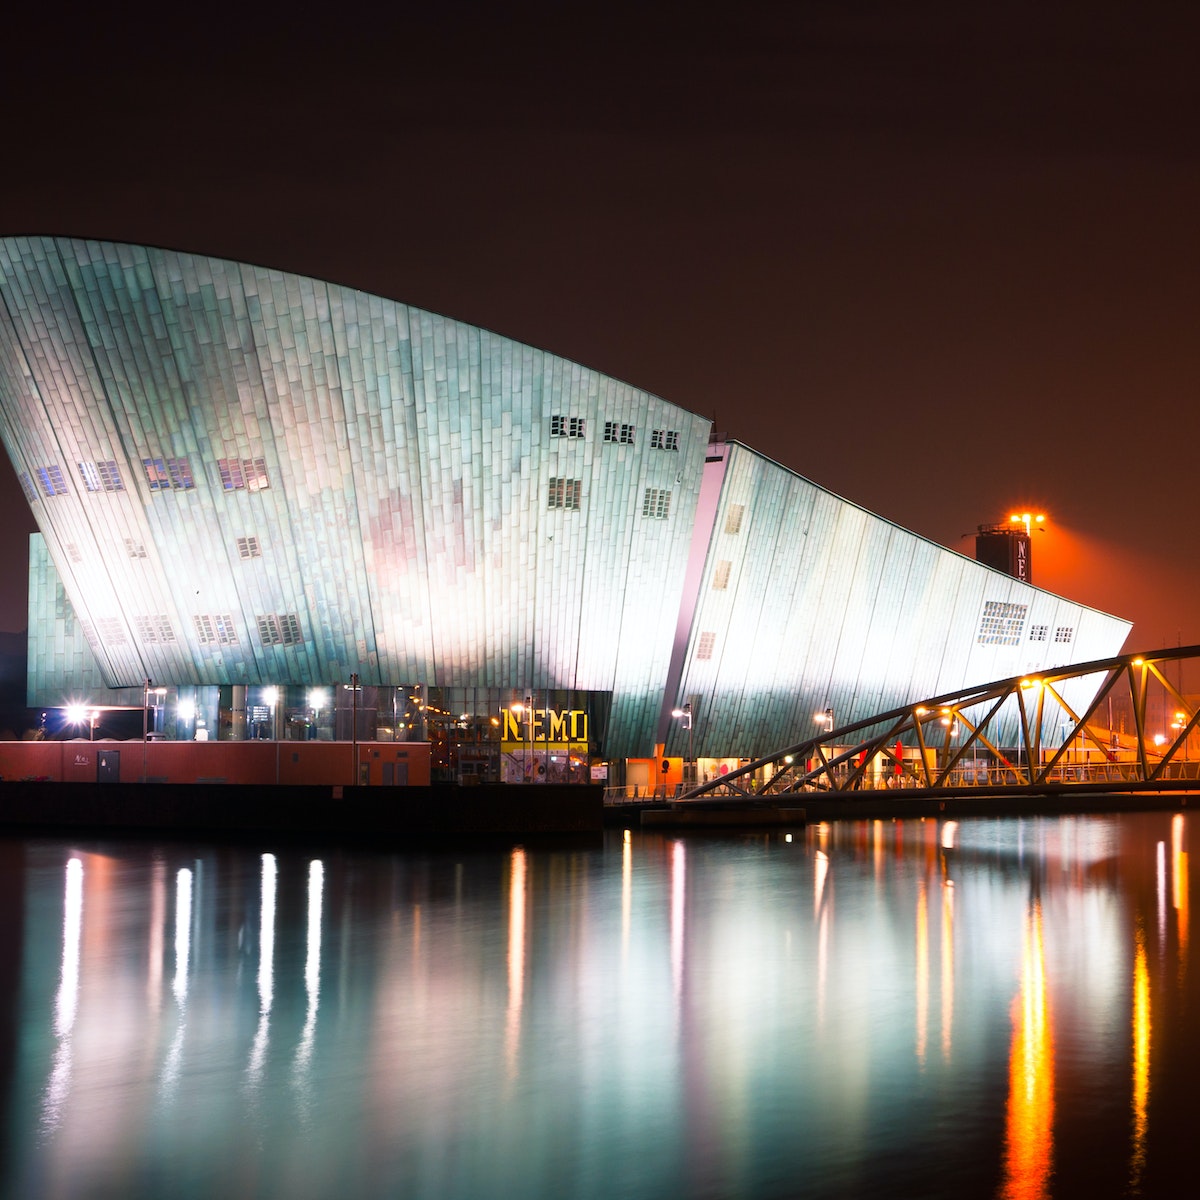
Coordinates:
[808,602]
[247,477]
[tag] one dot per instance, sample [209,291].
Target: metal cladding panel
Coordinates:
[61,668]
[808,602]
[402,495]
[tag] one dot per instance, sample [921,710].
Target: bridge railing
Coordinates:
[1050,728]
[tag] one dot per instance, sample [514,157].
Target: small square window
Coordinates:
[656,503]
[249,547]
[567,426]
[111,631]
[279,629]
[155,629]
[565,493]
[704,648]
[720,579]
[216,630]
[1064,633]
[135,549]
[254,470]
[180,474]
[733,518]
[230,470]
[53,481]
[110,476]
[156,474]
[101,476]
[27,487]
[1039,633]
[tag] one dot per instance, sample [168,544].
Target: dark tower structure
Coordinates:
[1006,546]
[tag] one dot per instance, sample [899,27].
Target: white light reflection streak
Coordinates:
[183,931]
[516,958]
[158,916]
[626,892]
[678,896]
[821,913]
[67,1001]
[183,948]
[266,967]
[312,974]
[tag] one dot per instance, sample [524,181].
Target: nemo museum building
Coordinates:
[276,509]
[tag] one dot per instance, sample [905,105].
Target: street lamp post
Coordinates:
[518,710]
[145,722]
[685,714]
[354,728]
[529,736]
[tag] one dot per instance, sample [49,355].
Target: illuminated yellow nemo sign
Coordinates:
[546,725]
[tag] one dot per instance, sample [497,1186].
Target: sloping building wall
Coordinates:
[808,602]
[251,477]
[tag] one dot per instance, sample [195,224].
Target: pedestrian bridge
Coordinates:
[1113,725]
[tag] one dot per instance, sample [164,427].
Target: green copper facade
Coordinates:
[247,477]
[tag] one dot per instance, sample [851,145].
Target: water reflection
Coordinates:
[1029,1134]
[869,1009]
[301,1080]
[1141,1060]
[67,999]
[266,971]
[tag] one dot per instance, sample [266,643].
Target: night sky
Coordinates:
[940,258]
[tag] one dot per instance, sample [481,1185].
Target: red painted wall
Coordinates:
[220,762]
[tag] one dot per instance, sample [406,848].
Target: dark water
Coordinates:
[993,1008]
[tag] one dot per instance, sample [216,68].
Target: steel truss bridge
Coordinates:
[1113,725]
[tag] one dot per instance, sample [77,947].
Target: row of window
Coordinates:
[1003,623]
[162,474]
[568,493]
[614,431]
[218,629]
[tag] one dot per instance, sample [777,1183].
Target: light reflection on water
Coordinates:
[908,1008]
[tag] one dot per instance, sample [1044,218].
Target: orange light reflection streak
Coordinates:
[1141,1060]
[1029,1134]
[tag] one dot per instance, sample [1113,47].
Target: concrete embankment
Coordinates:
[384,813]
[861,806]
